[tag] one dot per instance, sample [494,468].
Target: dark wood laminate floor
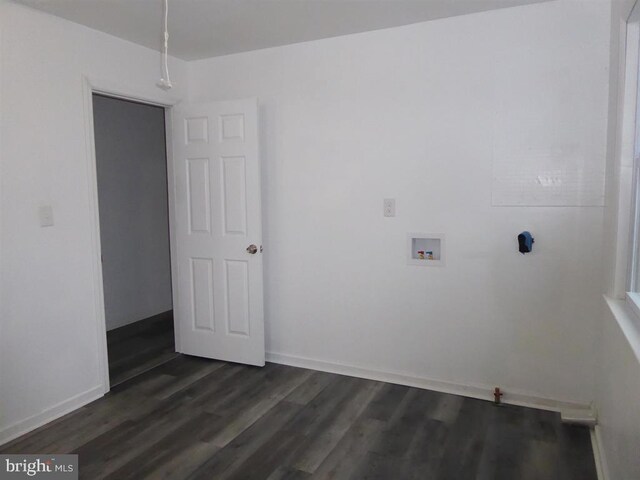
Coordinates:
[198,419]
[140,346]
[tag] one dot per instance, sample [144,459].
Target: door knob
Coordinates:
[252,249]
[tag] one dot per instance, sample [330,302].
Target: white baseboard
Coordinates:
[598,453]
[482,392]
[24,426]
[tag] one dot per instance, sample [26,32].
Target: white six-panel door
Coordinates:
[217,211]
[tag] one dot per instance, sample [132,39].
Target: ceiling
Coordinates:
[208,28]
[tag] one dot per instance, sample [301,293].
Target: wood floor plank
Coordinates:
[184,375]
[270,380]
[268,458]
[214,398]
[310,388]
[151,461]
[379,467]
[179,464]
[237,452]
[111,450]
[386,401]
[140,364]
[255,404]
[404,423]
[465,441]
[286,473]
[427,448]
[211,386]
[350,451]
[575,444]
[504,450]
[447,408]
[317,445]
[543,461]
[319,412]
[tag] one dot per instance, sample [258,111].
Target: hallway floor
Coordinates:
[140,346]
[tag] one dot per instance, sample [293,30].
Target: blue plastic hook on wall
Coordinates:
[525,242]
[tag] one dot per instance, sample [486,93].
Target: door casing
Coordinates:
[151,96]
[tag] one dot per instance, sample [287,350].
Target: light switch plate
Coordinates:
[389,207]
[46,216]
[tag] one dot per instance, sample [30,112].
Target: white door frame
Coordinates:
[152,96]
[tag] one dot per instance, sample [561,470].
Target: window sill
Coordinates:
[627,314]
[633,301]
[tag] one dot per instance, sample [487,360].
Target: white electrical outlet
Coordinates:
[389,207]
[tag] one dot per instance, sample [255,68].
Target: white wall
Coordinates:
[618,391]
[134,217]
[48,336]
[415,113]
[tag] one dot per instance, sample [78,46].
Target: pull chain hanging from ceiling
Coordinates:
[165,81]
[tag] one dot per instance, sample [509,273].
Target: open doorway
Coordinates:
[131,168]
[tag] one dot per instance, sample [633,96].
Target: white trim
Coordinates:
[98,289]
[171,200]
[628,322]
[482,392]
[633,300]
[599,456]
[35,421]
[151,96]
[628,207]
[623,172]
